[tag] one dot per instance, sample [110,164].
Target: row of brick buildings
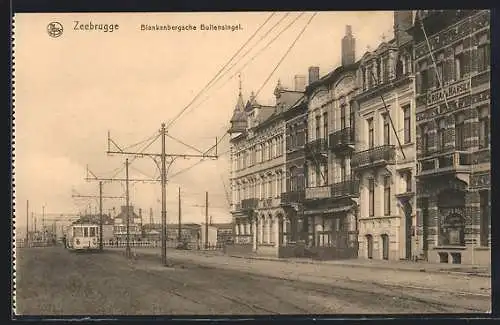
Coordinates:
[385,157]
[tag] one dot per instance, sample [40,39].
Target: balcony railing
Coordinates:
[381,155]
[454,162]
[342,139]
[249,204]
[316,147]
[346,188]
[320,192]
[269,203]
[292,197]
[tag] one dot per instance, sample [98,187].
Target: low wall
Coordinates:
[317,253]
[238,249]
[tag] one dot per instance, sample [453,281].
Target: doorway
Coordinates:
[385,247]
[369,246]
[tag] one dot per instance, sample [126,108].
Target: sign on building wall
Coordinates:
[453,90]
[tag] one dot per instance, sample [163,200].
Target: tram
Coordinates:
[83,237]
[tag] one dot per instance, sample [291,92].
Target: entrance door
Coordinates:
[369,246]
[385,247]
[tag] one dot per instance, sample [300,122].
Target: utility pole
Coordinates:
[127,252]
[206,220]
[163,170]
[151,221]
[43,222]
[163,198]
[27,221]
[101,217]
[180,224]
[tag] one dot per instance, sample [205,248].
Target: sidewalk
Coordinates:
[405,266]
[457,269]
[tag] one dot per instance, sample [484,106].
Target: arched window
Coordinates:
[441,134]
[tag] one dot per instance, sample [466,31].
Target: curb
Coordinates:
[382,267]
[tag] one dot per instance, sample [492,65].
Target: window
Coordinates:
[77,232]
[92,232]
[459,132]
[378,62]
[408,181]
[485,217]
[387,195]
[439,74]
[325,125]
[484,128]
[385,63]
[424,75]
[343,170]
[85,231]
[318,175]
[371,199]
[407,123]
[352,118]
[387,130]
[363,77]
[318,122]
[483,57]
[424,134]
[370,133]
[342,116]
[441,134]
[460,62]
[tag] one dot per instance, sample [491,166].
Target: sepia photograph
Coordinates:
[251,163]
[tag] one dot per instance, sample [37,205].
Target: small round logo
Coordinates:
[54,29]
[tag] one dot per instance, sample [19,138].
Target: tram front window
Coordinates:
[85,231]
[77,232]
[92,232]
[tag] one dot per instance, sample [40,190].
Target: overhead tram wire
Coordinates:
[219,72]
[136,156]
[270,75]
[254,57]
[247,52]
[287,52]
[248,62]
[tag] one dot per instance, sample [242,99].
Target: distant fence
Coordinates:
[134,243]
[157,244]
[21,243]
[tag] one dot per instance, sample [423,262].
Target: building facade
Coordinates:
[452,64]
[120,224]
[293,195]
[258,171]
[385,158]
[330,203]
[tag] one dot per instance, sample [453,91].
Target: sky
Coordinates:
[72,90]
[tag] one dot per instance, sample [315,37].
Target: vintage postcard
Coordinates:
[252,163]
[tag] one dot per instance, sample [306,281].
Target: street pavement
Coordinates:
[53,281]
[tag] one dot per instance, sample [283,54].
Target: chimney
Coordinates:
[300,83]
[348,47]
[403,20]
[313,74]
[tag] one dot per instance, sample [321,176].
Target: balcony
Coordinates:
[342,140]
[287,198]
[318,193]
[269,203]
[316,148]
[457,162]
[349,188]
[374,157]
[249,204]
